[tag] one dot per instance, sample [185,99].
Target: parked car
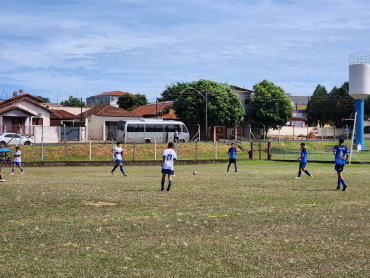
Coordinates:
[14,139]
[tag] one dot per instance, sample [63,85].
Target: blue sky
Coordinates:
[84,47]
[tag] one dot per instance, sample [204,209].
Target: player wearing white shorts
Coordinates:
[17,160]
[169,157]
[118,152]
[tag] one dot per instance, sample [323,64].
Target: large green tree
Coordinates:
[73,101]
[270,105]
[224,106]
[130,102]
[173,91]
[318,107]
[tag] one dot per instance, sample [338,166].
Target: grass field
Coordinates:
[259,222]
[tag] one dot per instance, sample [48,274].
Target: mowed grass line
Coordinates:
[258,222]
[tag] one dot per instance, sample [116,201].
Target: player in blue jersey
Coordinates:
[232,157]
[302,162]
[17,160]
[169,158]
[340,152]
[118,152]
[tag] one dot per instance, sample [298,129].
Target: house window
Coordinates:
[37,121]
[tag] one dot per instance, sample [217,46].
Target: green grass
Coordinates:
[259,222]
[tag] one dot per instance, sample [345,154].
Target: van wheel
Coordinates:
[27,143]
[147,141]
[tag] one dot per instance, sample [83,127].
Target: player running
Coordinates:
[302,162]
[17,160]
[118,152]
[232,157]
[340,151]
[169,157]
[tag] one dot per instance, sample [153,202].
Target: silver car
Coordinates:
[14,139]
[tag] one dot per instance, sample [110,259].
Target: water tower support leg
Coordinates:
[360,123]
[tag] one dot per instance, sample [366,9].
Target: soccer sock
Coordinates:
[228,167]
[1,177]
[114,168]
[307,173]
[236,169]
[338,183]
[121,168]
[12,170]
[169,185]
[344,184]
[299,174]
[162,184]
[22,170]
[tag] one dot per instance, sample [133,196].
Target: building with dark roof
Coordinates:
[107,98]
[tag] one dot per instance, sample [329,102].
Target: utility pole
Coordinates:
[206,115]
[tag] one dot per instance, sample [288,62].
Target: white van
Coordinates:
[150,130]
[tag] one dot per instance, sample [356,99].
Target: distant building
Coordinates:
[162,110]
[108,98]
[299,104]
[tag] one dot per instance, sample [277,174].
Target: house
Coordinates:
[62,117]
[108,98]
[163,110]
[20,114]
[102,121]
[299,104]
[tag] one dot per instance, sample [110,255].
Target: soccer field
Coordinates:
[258,222]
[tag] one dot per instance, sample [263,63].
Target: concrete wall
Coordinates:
[49,133]
[288,131]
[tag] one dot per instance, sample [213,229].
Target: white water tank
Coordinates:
[359,76]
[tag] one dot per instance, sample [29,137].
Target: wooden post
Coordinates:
[260,150]
[269,154]
[196,151]
[89,149]
[252,150]
[134,150]
[216,150]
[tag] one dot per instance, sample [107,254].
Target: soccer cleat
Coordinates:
[297,178]
[168,187]
[344,187]
[338,187]
[12,173]
[162,188]
[124,175]
[310,177]
[2,180]
[112,172]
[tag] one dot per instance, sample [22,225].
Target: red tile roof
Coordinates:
[150,109]
[108,111]
[17,108]
[62,114]
[23,97]
[113,93]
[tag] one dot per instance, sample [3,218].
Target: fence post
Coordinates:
[279,134]
[155,150]
[89,149]
[112,150]
[260,150]
[216,150]
[134,150]
[42,151]
[66,149]
[196,151]
[293,133]
[269,155]
[252,150]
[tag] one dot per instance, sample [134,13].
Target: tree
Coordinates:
[270,106]
[73,101]
[367,106]
[224,106]
[46,99]
[173,91]
[317,107]
[130,102]
[342,105]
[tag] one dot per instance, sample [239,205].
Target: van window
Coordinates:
[154,128]
[171,128]
[135,128]
[184,129]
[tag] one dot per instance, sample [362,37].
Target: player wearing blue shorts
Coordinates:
[340,152]
[232,157]
[302,162]
[169,158]
[118,152]
[17,160]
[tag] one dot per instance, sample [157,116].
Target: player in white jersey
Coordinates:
[118,152]
[169,157]
[17,160]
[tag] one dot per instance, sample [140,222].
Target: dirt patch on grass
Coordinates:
[99,204]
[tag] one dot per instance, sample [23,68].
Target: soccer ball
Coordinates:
[195,172]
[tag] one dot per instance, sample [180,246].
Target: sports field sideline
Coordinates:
[259,222]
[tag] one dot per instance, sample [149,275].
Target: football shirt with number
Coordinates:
[232,153]
[340,153]
[170,156]
[118,151]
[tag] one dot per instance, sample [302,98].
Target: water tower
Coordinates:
[359,89]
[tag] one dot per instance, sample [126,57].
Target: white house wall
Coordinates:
[34,109]
[49,133]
